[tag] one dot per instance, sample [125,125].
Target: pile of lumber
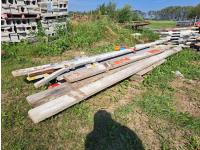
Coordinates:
[79,79]
[135,25]
[195,44]
[178,36]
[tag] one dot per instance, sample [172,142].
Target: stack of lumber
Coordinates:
[82,78]
[185,36]
[136,24]
[196,43]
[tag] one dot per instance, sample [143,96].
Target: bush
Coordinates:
[125,14]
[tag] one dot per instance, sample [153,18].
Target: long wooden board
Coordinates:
[148,69]
[113,64]
[50,94]
[90,70]
[47,95]
[110,64]
[59,104]
[75,63]
[52,76]
[122,61]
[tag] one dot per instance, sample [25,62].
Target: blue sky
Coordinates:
[144,5]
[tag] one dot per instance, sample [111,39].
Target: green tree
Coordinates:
[195,11]
[107,9]
[125,14]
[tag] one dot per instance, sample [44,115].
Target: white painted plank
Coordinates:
[50,77]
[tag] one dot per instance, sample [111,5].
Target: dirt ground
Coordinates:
[187,96]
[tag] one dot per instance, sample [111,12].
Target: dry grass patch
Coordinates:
[187,96]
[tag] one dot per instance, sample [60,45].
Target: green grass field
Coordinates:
[145,115]
[161,24]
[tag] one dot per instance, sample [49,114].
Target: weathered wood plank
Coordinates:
[59,104]
[76,63]
[110,64]
[148,69]
[50,77]
[44,96]
[83,73]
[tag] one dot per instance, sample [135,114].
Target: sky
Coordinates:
[143,5]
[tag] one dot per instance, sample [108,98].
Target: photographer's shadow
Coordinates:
[111,135]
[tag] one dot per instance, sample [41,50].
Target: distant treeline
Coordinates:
[127,14]
[175,13]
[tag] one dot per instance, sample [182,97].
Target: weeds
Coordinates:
[162,106]
[158,101]
[161,76]
[194,143]
[82,35]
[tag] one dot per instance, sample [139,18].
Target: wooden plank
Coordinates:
[197,44]
[148,69]
[61,103]
[61,77]
[76,63]
[49,94]
[90,70]
[110,64]
[86,73]
[50,77]
[32,78]
[38,73]
[42,96]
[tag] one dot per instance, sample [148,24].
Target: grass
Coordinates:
[159,99]
[65,128]
[162,106]
[70,129]
[77,36]
[161,24]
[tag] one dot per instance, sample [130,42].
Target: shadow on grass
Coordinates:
[111,135]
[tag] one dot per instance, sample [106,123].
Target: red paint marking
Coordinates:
[53,85]
[4,16]
[122,60]
[76,73]
[133,49]
[197,24]
[154,51]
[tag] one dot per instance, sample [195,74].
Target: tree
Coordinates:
[195,11]
[125,14]
[171,13]
[107,9]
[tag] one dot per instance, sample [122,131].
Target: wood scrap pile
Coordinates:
[81,78]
